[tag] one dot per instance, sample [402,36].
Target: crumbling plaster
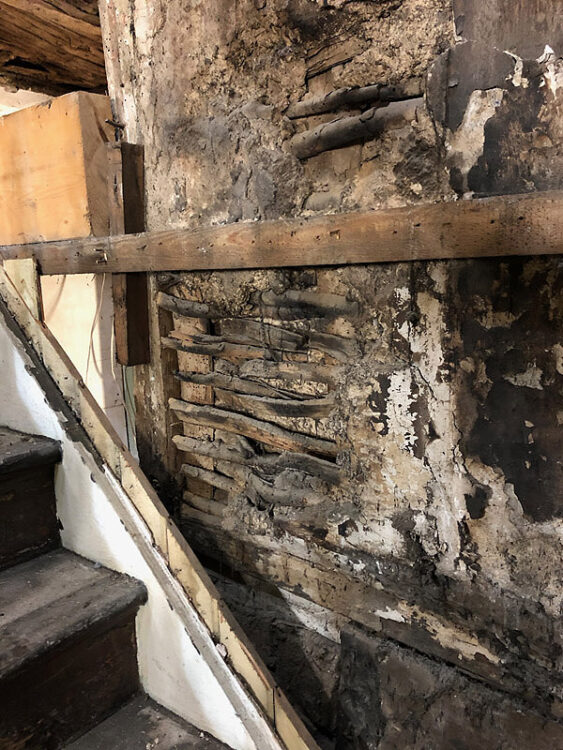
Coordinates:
[445,533]
[214,127]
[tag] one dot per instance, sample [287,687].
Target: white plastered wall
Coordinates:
[100,523]
[79,312]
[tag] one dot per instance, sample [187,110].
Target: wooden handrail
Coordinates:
[529,224]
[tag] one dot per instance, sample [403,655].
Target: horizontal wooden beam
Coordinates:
[491,227]
[52,45]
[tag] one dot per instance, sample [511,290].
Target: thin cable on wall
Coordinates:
[95,321]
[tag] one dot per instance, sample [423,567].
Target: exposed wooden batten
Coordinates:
[263,432]
[491,227]
[344,131]
[52,45]
[353,96]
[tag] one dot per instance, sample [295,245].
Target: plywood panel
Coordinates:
[53,169]
[54,185]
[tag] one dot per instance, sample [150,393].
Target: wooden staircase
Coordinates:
[68,655]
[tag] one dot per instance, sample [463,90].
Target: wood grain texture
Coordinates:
[52,45]
[53,170]
[352,97]
[354,129]
[268,464]
[68,645]
[491,227]
[28,516]
[27,280]
[269,408]
[141,723]
[130,291]
[255,429]
[21,451]
[234,383]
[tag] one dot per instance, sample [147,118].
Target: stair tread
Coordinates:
[53,598]
[143,724]
[20,450]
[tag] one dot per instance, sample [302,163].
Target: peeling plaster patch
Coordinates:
[436,273]
[547,54]
[466,144]
[553,76]
[558,354]
[402,294]
[389,614]
[313,616]
[495,318]
[398,408]
[389,541]
[448,636]
[517,77]
[531,378]
[467,646]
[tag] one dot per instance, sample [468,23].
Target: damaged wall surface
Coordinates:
[496,94]
[371,454]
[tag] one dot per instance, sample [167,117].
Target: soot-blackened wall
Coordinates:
[394,550]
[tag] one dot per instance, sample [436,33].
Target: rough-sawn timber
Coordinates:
[490,227]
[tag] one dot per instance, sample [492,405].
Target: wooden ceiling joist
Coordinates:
[502,226]
[51,45]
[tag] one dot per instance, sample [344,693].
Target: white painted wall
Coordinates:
[79,312]
[100,523]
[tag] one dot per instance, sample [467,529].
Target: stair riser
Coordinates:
[70,689]
[28,519]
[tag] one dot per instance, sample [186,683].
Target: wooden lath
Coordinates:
[52,45]
[491,227]
[167,540]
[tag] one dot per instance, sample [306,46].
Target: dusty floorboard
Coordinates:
[143,725]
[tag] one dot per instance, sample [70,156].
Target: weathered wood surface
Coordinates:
[271,463]
[130,291]
[52,44]
[352,96]
[259,491]
[203,505]
[21,451]
[501,226]
[326,56]
[322,580]
[354,129]
[210,477]
[143,723]
[270,408]
[68,644]
[234,383]
[292,372]
[28,517]
[26,279]
[214,346]
[254,429]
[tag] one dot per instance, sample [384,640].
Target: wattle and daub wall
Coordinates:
[372,454]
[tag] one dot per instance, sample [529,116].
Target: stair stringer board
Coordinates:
[110,514]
